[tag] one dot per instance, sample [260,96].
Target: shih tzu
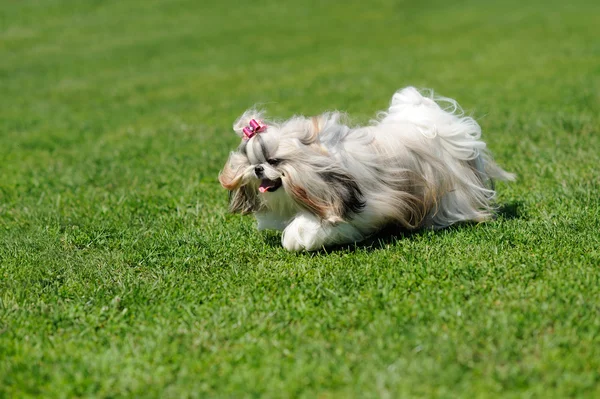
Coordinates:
[421,164]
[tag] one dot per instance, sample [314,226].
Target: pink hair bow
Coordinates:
[253,128]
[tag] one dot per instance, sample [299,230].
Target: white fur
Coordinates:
[422,164]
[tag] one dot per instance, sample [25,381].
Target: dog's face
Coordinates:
[287,163]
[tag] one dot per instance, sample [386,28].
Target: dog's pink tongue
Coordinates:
[265,185]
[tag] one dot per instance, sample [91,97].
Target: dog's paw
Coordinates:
[303,233]
[291,242]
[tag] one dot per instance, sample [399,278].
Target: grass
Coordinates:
[121,273]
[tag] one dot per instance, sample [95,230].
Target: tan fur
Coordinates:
[229,179]
[312,204]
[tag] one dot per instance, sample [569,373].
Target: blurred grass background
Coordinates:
[121,274]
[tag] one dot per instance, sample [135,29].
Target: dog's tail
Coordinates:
[442,117]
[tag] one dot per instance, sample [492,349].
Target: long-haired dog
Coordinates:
[420,165]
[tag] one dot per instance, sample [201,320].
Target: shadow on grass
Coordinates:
[393,233]
[511,210]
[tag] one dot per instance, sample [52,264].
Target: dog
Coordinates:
[420,164]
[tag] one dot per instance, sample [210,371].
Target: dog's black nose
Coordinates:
[259,170]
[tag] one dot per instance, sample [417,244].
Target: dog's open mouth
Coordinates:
[269,185]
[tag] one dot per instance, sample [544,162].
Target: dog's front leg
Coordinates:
[308,232]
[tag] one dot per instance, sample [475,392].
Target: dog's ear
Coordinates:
[316,125]
[231,175]
[331,195]
[244,120]
[229,179]
[242,198]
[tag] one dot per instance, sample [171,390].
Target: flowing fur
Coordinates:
[421,164]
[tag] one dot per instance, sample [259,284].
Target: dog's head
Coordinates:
[289,162]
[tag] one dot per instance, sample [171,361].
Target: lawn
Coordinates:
[123,275]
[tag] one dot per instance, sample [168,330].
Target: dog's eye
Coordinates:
[274,161]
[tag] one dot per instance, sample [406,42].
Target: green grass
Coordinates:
[121,273]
